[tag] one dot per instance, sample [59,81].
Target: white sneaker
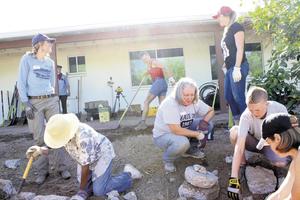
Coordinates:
[135,173]
[169,167]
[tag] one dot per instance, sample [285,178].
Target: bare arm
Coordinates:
[295,189]
[237,156]
[285,189]
[209,115]
[239,42]
[178,130]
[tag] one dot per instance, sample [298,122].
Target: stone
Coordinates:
[215,172]
[280,181]
[113,193]
[172,179]
[200,178]
[113,198]
[260,180]
[24,196]
[50,197]
[228,159]
[188,191]
[248,198]
[6,189]
[12,164]
[130,196]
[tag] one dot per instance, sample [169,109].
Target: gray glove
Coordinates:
[30,109]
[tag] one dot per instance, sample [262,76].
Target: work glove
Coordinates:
[30,109]
[203,125]
[171,81]
[236,74]
[233,189]
[224,69]
[81,195]
[35,151]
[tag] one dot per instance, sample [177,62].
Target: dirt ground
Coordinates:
[131,147]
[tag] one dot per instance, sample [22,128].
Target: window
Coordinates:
[254,56]
[171,59]
[77,64]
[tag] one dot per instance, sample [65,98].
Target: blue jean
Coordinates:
[106,182]
[173,145]
[176,145]
[274,159]
[159,87]
[234,92]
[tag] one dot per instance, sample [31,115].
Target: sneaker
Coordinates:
[194,153]
[141,126]
[170,167]
[41,178]
[135,173]
[65,174]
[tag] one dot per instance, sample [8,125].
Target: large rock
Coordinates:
[199,177]
[189,191]
[50,197]
[260,180]
[6,189]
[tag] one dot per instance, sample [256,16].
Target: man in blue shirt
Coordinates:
[36,83]
[63,88]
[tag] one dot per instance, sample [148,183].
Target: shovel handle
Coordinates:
[28,168]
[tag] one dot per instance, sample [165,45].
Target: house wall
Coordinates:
[110,58]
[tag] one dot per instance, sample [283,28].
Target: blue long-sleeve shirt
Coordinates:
[63,85]
[36,77]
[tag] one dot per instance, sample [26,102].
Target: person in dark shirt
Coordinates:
[235,66]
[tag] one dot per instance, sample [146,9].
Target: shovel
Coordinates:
[26,172]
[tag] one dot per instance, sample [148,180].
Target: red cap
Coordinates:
[224,10]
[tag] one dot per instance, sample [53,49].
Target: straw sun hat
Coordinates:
[60,129]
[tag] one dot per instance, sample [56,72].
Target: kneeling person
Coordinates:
[92,151]
[248,133]
[180,124]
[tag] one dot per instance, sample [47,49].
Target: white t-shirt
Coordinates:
[253,125]
[171,112]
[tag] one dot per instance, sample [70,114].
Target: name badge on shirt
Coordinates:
[35,67]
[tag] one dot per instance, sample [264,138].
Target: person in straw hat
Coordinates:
[92,151]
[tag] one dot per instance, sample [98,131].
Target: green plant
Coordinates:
[280,21]
[279,85]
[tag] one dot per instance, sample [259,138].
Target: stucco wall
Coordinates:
[110,58]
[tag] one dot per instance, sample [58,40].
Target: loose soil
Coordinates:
[132,147]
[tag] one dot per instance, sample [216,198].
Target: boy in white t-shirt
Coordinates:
[247,135]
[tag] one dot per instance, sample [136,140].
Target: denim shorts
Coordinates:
[159,87]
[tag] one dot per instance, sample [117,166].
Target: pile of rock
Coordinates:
[199,184]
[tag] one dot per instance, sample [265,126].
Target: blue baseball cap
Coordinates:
[40,38]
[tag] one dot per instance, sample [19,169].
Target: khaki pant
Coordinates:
[46,108]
